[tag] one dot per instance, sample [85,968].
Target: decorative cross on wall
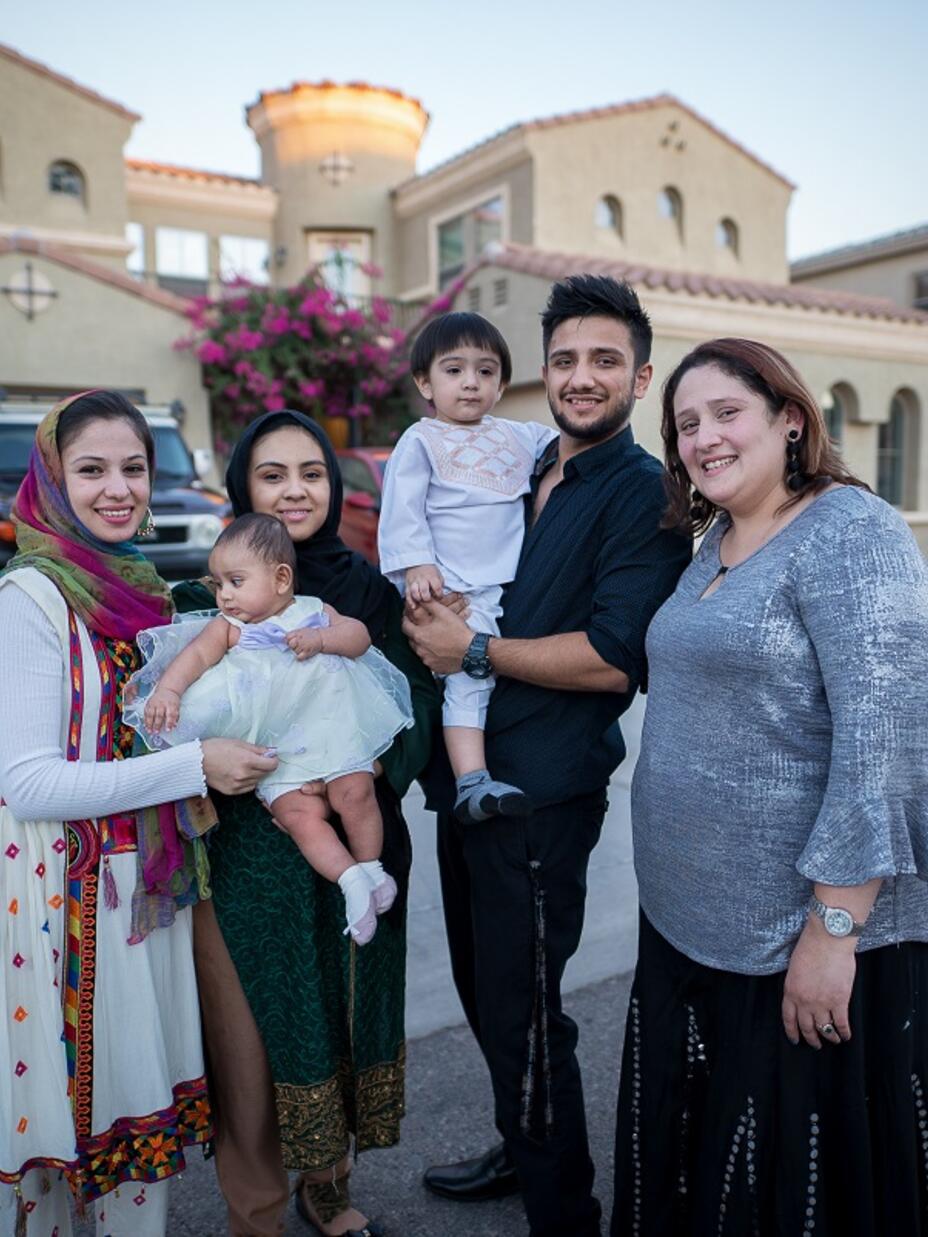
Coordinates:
[336,167]
[29,291]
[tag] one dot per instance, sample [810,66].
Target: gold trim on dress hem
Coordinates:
[317,1122]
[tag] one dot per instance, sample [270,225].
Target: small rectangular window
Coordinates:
[243,257]
[135,259]
[182,253]
[473,300]
[450,250]
[488,223]
[920,300]
[500,292]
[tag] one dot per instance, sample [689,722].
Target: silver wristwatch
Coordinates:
[837,921]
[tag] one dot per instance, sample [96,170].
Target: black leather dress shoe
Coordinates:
[491,1175]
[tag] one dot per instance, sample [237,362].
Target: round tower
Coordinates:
[333,153]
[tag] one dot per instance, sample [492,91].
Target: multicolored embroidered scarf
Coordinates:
[113,588]
[116,591]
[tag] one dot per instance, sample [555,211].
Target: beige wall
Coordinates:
[41,121]
[97,336]
[892,276]
[624,155]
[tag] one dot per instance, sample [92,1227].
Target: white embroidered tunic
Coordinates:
[452,496]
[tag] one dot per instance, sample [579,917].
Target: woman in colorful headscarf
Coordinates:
[101,1069]
[304,1033]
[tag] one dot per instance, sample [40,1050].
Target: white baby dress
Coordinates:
[326,716]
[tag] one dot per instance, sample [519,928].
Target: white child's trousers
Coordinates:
[467,699]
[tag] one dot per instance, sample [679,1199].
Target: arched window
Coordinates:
[835,416]
[608,214]
[897,452]
[839,405]
[670,207]
[66,178]
[726,235]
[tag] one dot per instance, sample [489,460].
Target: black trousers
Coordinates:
[490,874]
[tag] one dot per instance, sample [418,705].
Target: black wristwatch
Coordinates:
[476,661]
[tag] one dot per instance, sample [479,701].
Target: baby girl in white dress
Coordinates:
[294,674]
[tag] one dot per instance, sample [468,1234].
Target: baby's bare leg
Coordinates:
[302,817]
[353,798]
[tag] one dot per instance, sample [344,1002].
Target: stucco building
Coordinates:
[649,191]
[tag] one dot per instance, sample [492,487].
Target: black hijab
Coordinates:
[326,568]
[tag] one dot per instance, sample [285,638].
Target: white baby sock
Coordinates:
[383,886]
[362,921]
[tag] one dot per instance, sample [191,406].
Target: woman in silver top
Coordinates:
[775,1075]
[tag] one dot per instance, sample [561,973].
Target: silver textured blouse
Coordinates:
[786,738]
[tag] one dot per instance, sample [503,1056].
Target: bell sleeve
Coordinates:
[863,599]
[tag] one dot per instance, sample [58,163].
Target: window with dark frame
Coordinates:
[66,178]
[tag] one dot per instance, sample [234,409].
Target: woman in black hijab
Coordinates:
[304,1033]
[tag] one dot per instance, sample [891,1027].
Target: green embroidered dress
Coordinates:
[330,1014]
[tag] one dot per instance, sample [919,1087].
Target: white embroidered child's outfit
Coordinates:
[327,716]
[453,496]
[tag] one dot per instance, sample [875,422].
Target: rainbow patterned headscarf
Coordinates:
[112,587]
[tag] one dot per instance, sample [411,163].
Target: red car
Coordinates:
[362,478]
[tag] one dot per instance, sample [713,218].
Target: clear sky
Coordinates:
[830,92]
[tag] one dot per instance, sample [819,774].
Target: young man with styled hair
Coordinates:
[594,568]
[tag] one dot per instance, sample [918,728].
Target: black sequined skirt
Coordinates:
[725,1129]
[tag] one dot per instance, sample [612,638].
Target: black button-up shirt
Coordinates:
[597,561]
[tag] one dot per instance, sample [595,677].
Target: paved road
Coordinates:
[448,1094]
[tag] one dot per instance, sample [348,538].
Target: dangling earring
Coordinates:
[147,526]
[794,478]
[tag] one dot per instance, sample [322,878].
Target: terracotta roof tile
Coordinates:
[185,173]
[600,113]
[93,270]
[10,53]
[552,265]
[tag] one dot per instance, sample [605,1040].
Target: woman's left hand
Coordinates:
[818,986]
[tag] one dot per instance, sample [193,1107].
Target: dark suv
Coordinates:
[189,516]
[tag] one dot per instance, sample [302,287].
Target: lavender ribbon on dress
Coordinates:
[270,635]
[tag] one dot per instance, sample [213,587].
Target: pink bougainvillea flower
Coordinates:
[211,353]
[311,390]
[279,324]
[371,269]
[376,388]
[274,403]
[244,340]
